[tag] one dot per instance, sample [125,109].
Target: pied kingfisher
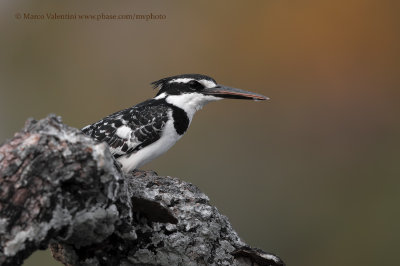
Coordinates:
[143,132]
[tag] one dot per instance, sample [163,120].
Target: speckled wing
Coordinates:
[130,130]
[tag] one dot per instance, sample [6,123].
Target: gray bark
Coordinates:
[61,189]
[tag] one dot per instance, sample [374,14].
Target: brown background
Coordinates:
[312,175]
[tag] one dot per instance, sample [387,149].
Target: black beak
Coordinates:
[232,93]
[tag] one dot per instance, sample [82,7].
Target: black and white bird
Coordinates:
[143,132]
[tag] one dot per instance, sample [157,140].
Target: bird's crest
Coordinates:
[160,83]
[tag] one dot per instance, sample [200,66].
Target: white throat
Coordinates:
[191,102]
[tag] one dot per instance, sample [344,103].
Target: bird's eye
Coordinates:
[194,84]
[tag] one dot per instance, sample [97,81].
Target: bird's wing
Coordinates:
[130,130]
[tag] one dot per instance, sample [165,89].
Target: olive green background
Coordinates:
[311,175]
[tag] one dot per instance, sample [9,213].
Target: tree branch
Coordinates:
[61,188]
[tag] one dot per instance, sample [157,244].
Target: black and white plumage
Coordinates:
[143,132]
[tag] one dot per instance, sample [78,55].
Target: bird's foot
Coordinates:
[143,173]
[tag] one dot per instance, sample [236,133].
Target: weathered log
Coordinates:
[60,188]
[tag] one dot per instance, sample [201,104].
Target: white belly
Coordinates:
[145,155]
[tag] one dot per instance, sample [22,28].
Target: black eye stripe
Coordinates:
[196,85]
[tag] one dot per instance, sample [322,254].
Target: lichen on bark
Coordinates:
[59,188]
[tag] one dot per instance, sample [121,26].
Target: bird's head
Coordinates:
[193,91]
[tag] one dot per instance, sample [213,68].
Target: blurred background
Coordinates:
[311,175]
